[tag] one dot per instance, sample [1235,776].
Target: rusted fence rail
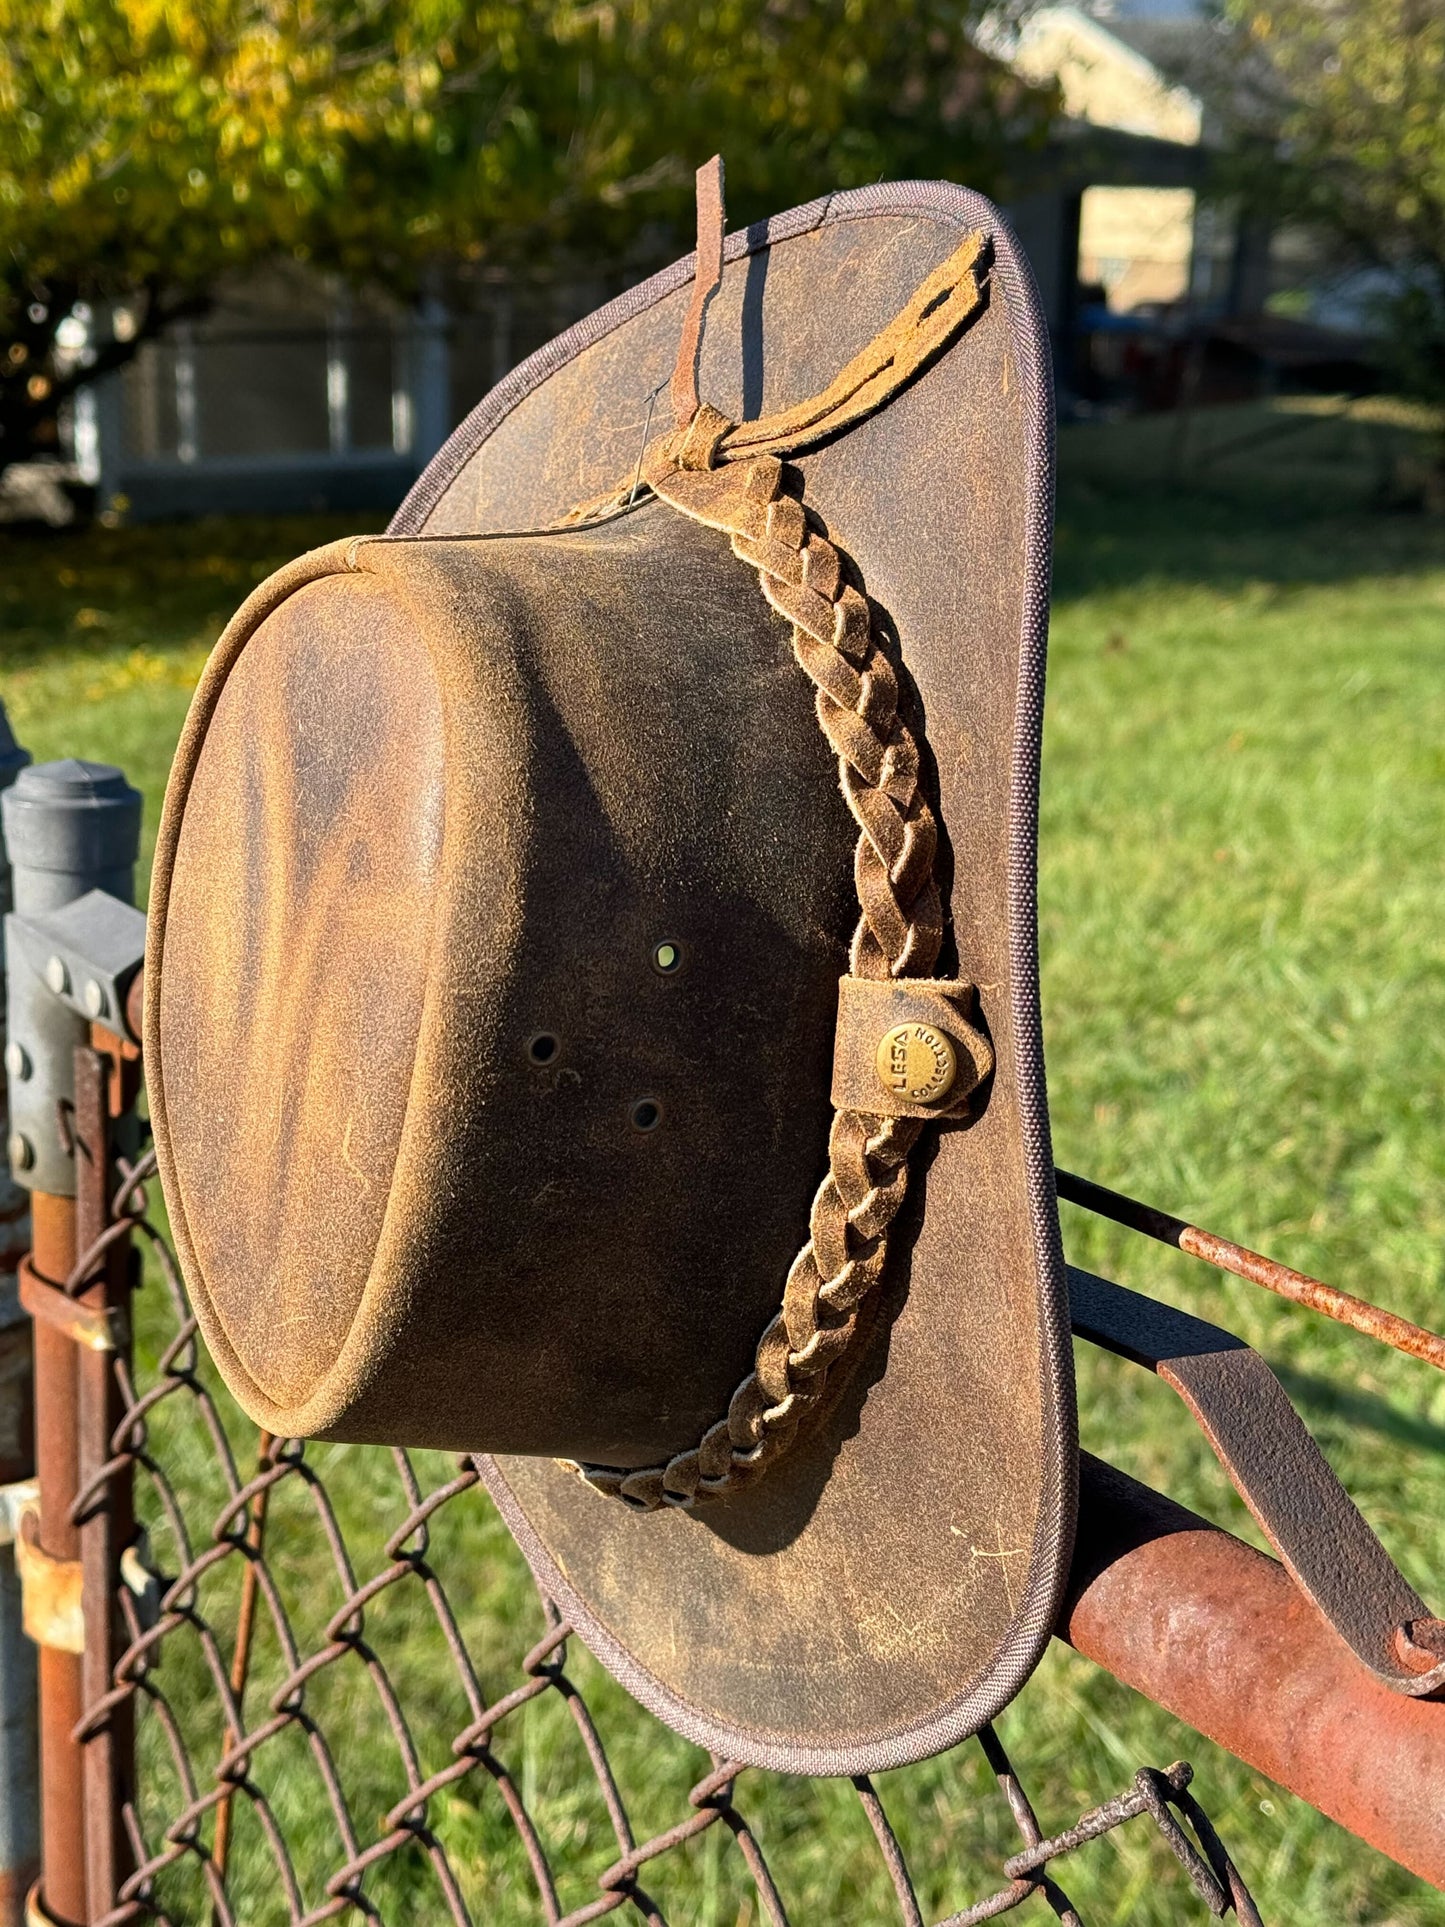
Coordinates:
[261,1699]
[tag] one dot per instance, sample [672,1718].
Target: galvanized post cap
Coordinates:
[71,816]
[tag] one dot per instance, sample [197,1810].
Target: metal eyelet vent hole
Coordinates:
[646,1114]
[667,958]
[543,1047]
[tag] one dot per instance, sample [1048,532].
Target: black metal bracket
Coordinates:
[1314,1525]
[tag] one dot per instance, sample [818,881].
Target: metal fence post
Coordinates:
[69,827]
[19,1742]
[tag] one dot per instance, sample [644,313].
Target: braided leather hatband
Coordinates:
[731,477]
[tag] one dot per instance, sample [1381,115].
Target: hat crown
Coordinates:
[481,785]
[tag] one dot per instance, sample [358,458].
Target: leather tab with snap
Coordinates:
[908,1046]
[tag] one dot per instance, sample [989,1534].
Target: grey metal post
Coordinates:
[19,1745]
[70,827]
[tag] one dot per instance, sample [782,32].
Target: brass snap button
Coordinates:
[916,1063]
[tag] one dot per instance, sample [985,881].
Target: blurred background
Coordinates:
[263,257]
[256,261]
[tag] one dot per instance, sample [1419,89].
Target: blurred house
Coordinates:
[284,396]
[291,394]
[1125,165]
[1161,296]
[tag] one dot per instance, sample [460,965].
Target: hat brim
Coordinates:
[890,1585]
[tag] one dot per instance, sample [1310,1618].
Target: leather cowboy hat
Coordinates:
[547,1061]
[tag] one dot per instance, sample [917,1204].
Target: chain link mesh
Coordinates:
[326,1725]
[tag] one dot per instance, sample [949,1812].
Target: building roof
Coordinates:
[1107,80]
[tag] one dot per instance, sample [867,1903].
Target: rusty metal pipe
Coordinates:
[1218,1635]
[57,1464]
[69,827]
[1298,1286]
[19,1738]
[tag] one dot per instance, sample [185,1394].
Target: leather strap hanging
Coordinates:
[943,305]
[707,279]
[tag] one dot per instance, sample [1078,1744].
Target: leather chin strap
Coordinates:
[1311,1521]
[951,296]
[944,304]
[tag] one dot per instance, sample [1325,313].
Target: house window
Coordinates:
[1136,243]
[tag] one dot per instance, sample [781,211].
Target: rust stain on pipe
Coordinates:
[1218,1635]
[1343,1306]
[57,1465]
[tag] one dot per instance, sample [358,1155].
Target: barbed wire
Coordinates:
[231,1703]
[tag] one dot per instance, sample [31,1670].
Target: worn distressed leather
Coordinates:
[450,797]
[445,795]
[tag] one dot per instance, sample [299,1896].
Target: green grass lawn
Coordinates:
[1244,988]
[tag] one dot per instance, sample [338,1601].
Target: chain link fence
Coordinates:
[285,1682]
[349,1699]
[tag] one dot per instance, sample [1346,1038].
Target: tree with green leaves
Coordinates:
[151,148]
[1338,113]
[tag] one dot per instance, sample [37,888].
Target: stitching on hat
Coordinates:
[812,583]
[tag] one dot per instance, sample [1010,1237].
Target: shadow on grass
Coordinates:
[1283,494]
[93,591]
[1327,1397]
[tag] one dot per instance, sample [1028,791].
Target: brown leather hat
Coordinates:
[505,1093]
